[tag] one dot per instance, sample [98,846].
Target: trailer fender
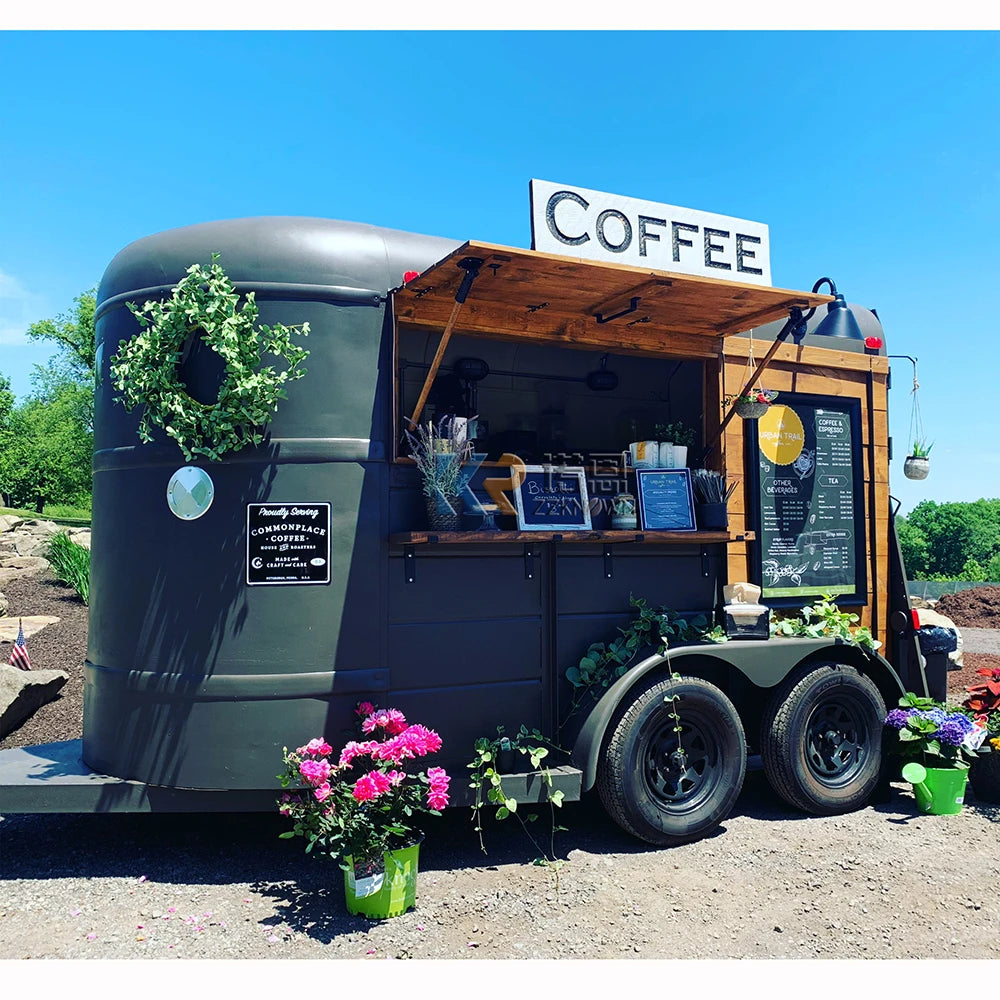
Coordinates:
[764,664]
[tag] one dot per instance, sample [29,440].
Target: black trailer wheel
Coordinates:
[668,788]
[821,739]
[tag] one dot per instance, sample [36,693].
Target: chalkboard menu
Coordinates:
[665,499]
[550,498]
[288,543]
[809,500]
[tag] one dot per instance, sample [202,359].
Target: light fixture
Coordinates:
[839,320]
[601,380]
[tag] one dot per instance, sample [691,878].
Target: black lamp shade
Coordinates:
[839,321]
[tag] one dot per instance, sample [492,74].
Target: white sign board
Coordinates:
[577,222]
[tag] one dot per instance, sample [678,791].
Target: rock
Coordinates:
[32,537]
[30,623]
[10,521]
[3,604]
[23,692]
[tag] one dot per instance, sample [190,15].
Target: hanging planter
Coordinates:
[916,466]
[754,404]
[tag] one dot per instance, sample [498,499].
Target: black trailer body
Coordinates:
[202,664]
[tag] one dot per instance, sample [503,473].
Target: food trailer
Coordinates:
[208,652]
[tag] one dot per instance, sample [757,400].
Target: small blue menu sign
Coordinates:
[666,502]
[288,543]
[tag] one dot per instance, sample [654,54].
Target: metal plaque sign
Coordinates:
[288,543]
[577,222]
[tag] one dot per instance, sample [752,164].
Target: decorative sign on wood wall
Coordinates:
[550,498]
[578,222]
[810,512]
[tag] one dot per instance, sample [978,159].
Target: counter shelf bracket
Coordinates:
[409,563]
[609,570]
[704,562]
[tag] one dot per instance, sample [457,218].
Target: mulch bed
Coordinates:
[63,646]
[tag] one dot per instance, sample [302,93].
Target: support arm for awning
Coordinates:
[471,266]
[795,325]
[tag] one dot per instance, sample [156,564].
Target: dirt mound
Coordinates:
[978,607]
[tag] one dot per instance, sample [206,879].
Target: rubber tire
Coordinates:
[647,801]
[824,775]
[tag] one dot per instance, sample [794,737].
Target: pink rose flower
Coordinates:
[323,792]
[354,749]
[315,771]
[364,708]
[390,719]
[371,786]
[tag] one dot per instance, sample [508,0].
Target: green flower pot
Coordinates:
[939,791]
[386,892]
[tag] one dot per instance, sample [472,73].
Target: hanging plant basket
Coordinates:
[750,409]
[916,467]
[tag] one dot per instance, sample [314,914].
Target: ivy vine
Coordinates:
[604,663]
[146,369]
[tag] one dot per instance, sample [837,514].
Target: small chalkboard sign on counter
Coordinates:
[552,497]
[666,502]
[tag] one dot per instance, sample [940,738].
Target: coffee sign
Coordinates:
[288,543]
[578,222]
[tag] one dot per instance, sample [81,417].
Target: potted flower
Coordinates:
[360,806]
[918,464]
[752,404]
[983,706]
[441,452]
[939,746]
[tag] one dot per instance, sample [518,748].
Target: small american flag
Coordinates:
[19,654]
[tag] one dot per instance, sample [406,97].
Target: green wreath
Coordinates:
[146,368]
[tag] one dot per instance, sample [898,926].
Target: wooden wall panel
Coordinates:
[818,371]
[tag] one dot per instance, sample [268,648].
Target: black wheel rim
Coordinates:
[680,773]
[837,741]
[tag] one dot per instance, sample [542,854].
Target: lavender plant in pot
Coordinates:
[441,452]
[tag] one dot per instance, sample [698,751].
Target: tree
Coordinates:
[6,411]
[916,554]
[47,453]
[957,532]
[74,362]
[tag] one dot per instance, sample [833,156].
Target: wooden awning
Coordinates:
[529,295]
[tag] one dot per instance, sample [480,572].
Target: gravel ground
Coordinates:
[882,883]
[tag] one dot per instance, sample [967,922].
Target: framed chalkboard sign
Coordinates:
[665,499]
[551,498]
[808,500]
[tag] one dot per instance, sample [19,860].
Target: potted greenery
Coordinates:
[677,436]
[441,452]
[917,464]
[939,746]
[359,807]
[752,404]
[983,706]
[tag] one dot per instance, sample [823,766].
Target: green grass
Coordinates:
[70,563]
[76,517]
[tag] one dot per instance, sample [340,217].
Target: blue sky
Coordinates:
[874,157]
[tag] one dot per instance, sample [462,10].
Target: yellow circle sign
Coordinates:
[781,435]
